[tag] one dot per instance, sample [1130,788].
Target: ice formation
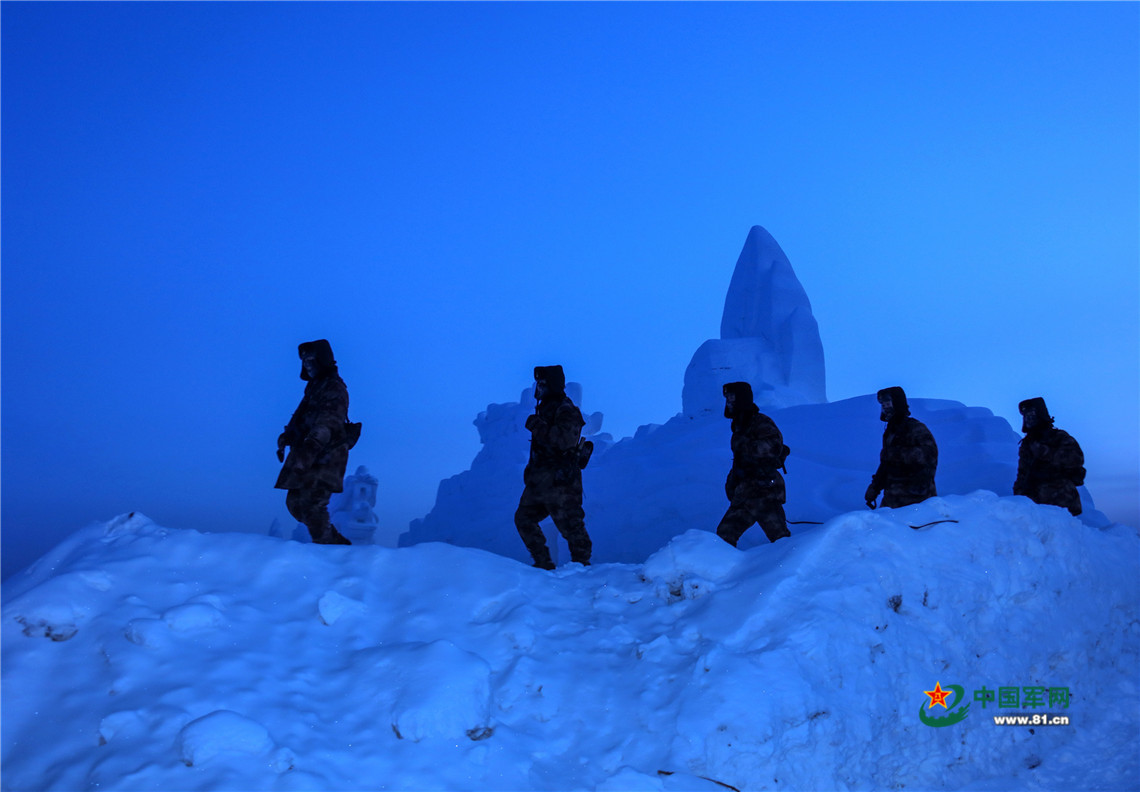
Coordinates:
[768,337]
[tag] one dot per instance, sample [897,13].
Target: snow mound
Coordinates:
[691,565]
[225,732]
[428,705]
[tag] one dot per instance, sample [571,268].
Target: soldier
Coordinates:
[909,456]
[754,487]
[553,476]
[319,437]
[1050,463]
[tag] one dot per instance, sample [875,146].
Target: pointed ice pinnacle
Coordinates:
[768,337]
[765,296]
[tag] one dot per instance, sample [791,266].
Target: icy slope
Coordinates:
[136,657]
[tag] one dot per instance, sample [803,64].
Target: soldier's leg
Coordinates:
[1060,493]
[331,536]
[892,499]
[772,519]
[901,494]
[735,522]
[895,497]
[570,520]
[311,507]
[530,513]
[295,503]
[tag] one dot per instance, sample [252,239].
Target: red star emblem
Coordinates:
[937,696]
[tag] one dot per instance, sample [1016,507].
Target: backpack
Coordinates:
[585,450]
[351,433]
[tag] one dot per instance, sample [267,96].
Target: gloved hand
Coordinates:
[730,484]
[532,422]
[311,449]
[281,443]
[870,495]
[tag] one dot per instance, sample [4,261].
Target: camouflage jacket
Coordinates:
[555,429]
[318,451]
[758,451]
[908,461]
[1050,467]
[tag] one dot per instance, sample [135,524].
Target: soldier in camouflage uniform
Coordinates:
[318,437]
[553,475]
[754,486]
[909,457]
[1050,463]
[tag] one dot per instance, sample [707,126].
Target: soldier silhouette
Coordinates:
[319,437]
[552,480]
[754,486]
[1050,463]
[909,457]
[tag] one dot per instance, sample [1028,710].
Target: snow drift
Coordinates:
[136,657]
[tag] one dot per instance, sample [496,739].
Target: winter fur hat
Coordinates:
[741,390]
[321,352]
[553,377]
[1037,405]
[897,398]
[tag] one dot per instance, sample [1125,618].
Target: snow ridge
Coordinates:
[269,664]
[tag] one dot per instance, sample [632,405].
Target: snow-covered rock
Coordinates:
[222,732]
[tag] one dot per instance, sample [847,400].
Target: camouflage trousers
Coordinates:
[744,512]
[563,505]
[1056,492]
[311,507]
[904,493]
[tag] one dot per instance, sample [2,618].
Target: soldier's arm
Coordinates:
[567,428]
[877,481]
[918,451]
[331,412]
[929,449]
[769,447]
[1025,468]
[1069,459]
[289,436]
[878,478]
[1068,453]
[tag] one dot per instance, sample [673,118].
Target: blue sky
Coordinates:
[454,193]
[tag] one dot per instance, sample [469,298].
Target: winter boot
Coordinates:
[542,559]
[330,536]
[336,537]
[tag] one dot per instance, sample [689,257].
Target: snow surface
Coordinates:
[141,658]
